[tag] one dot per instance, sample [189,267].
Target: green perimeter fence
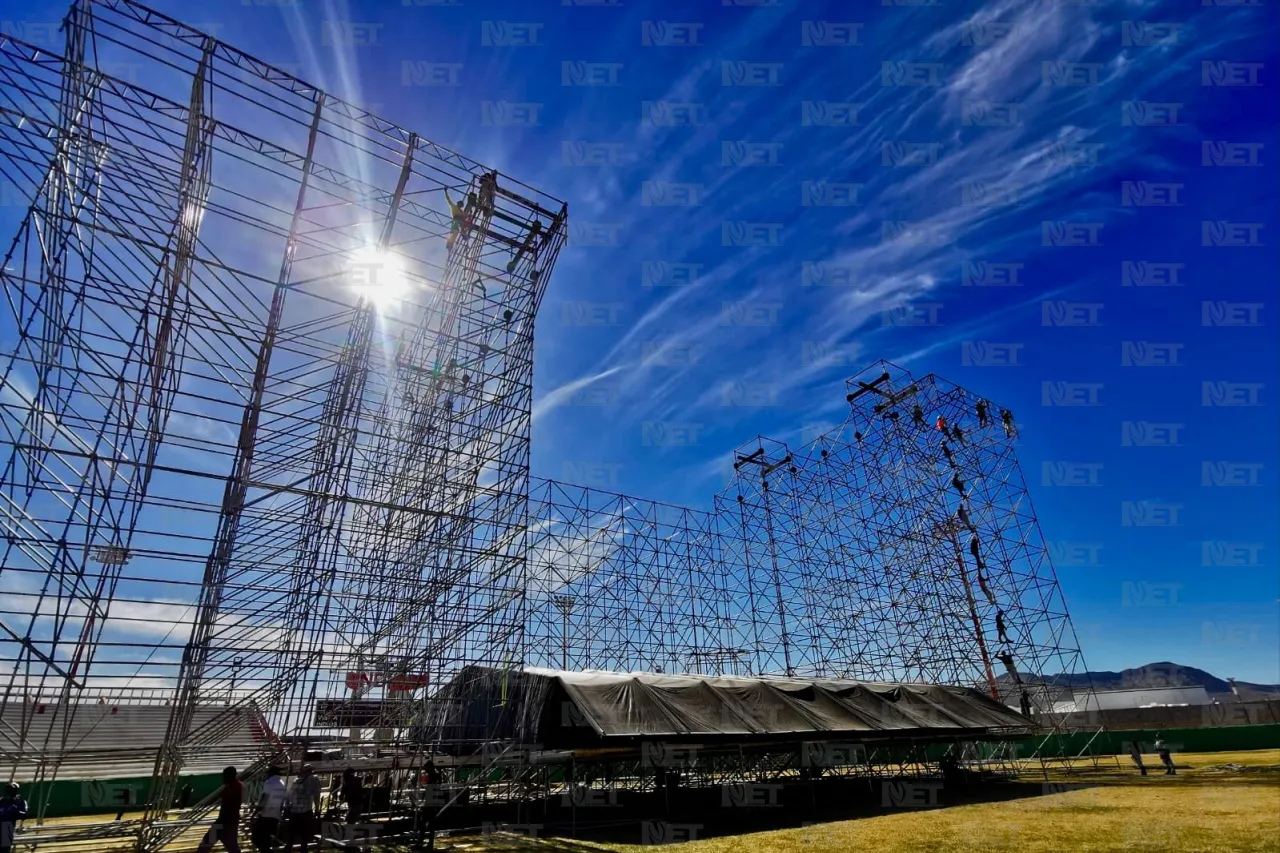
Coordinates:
[106,796]
[109,796]
[1225,739]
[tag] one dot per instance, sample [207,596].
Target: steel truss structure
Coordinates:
[266,401]
[258,355]
[899,546]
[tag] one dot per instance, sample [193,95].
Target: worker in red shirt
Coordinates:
[227,827]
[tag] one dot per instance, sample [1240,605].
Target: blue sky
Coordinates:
[1068,207]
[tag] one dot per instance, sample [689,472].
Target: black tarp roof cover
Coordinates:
[628,705]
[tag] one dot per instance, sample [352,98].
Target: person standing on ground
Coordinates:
[266,826]
[1163,751]
[303,809]
[127,799]
[1136,754]
[431,797]
[12,809]
[227,827]
[353,795]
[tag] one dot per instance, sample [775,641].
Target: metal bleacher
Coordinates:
[116,736]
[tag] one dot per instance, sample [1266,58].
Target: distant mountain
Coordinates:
[1163,674]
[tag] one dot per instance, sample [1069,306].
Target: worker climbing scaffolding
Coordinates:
[977,559]
[473,215]
[986,590]
[960,489]
[1001,631]
[954,433]
[1006,418]
[1006,658]
[458,220]
[464,216]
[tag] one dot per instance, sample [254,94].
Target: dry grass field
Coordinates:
[1204,808]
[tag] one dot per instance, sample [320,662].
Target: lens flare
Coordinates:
[380,276]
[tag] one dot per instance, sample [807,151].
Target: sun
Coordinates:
[380,276]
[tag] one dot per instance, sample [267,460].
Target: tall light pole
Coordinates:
[564,603]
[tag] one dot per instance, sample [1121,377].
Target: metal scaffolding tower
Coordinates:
[899,546]
[266,405]
[260,356]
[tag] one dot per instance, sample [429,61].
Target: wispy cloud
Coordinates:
[564,392]
[985,325]
[979,193]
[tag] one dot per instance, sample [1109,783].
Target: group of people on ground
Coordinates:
[1162,750]
[284,815]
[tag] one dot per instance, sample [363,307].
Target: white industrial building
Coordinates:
[1138,697]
